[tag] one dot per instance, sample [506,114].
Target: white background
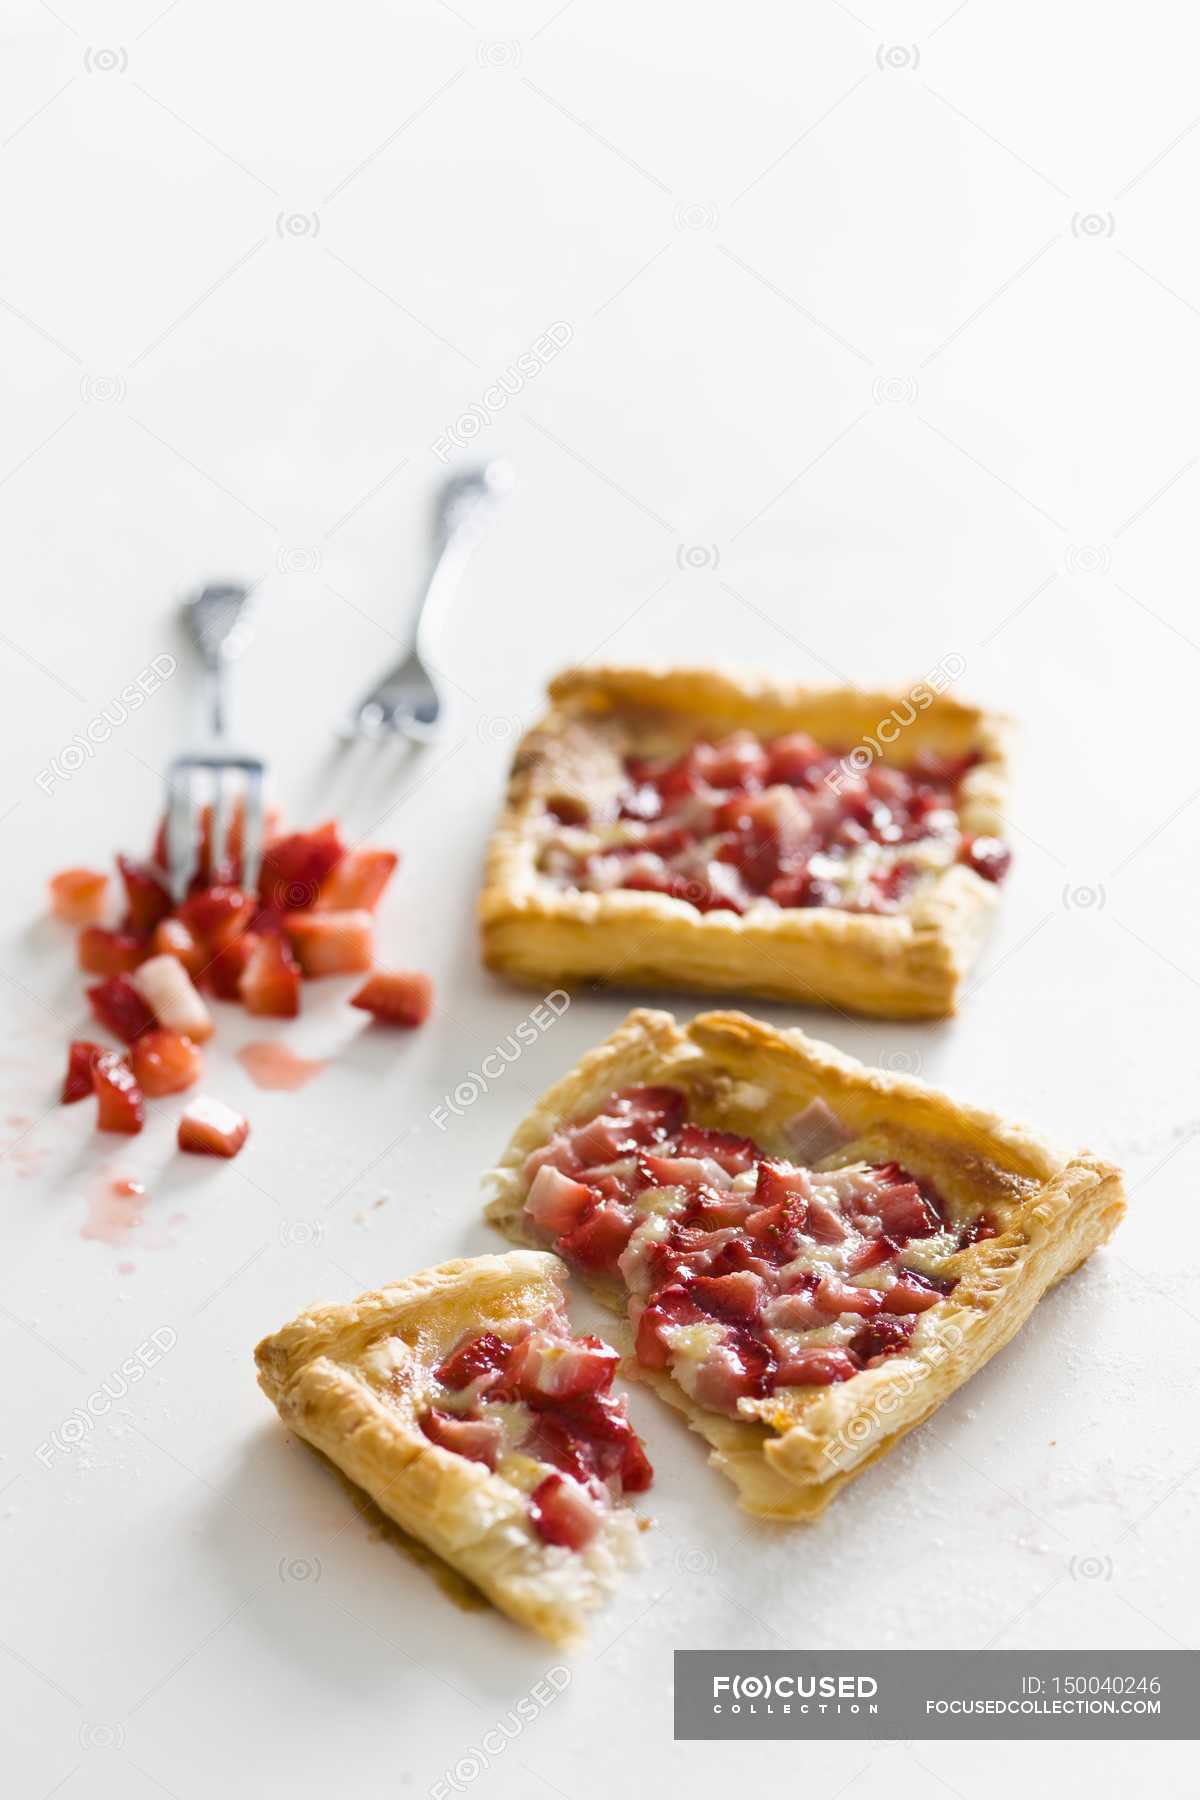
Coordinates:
[891,321]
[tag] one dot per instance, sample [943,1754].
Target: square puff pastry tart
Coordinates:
[357,1380]
[983,1218]
[904,958]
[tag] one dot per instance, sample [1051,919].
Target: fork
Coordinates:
[406,700]
[218,622]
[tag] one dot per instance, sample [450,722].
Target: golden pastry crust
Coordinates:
[350,1380]
[909,964]
[791,1453]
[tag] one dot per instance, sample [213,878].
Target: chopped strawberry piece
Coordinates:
[794,756]
[396,996]
[173,938]
[882,1336]
[778,1182]
[552,1369]
[331,943]
[120,1008]
[479,1440]
[294,867]
[357,881]
[77,896]
[904,1212]
[597,1243]
[224,969]
[555,1202]
[269,984]
[209,1128]
[479,1353]
[166,987]
[836,1296]
[165,1062]
[670,1306]
[77,1082]
[819,1366]
[984,1226]
[659,1108]
[147,897]
[217,913]
[735,1154]
[911,1293]
[118,1096]
[562,1513]
[870,1253]
[825,1223]
[988,856]
[737,1297]
[104,952]
[739,761]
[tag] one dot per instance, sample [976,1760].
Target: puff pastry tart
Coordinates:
[685,829]
[811,1255]
[460,1402]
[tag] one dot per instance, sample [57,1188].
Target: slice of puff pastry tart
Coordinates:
[811,1255]
[461,1403]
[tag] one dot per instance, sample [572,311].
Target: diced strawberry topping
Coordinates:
[670,1306]
[984,1226]
[224,970]
[295,867]
[77,1082]
[660,1109]
[911,1293]
[357,881]
[479,1440]
[118,1096]
[597,1243]
[331,943]
[737,1297]
[166,987]
[817,1366]
[120,1008]
[562,1513]
[217,913]
[836,1296]
[556,1203]
[269,984]
[904,1212]
[147,898]
[734,1154]
[553,1369]
[77,896]
[881,1336]
[209,1128]
[988,856]
[173,938]
[165,1062]
[104,952]
[396,996]
[478,1354]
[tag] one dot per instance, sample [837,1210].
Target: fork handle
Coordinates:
[450,557]
[218,621]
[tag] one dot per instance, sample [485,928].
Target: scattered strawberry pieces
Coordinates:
[210,1128]
[77,1082]
[269,984]
[173,938]
[165,1062]
[77,896]
[120,1008]
[294,867]
[166,987]
[331,943]
[562,1513]
[147,897]
[118,1096]
[396,997]
[104,952]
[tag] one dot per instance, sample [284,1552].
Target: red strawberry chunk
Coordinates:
[904,1213]
[911,1293]
[737,1297]
[882,1336]
[836,1296]
[549,1369]
[269,984]
[173,938]
[77,1083]
[357,881]
[120,1008]
[224,970]
[739,761]
[294,867]
[597,1243]
[209,1128]
[217,912]
[661,1108]
[818,1366]
[479,1440]
[165,1062]
[984,1226]
[794,757]
[396,996]
[479,1353]
[146,894]
[734,1154]
[555,1202]
[118,1096]
[330,943]
[988,856]
[671,1306]
[562,1513]
[77,896]
[104,952]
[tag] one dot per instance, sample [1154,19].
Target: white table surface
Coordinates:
[901,347]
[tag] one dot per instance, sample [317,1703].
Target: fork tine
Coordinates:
[182,828]
[252,827]
[219,825]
